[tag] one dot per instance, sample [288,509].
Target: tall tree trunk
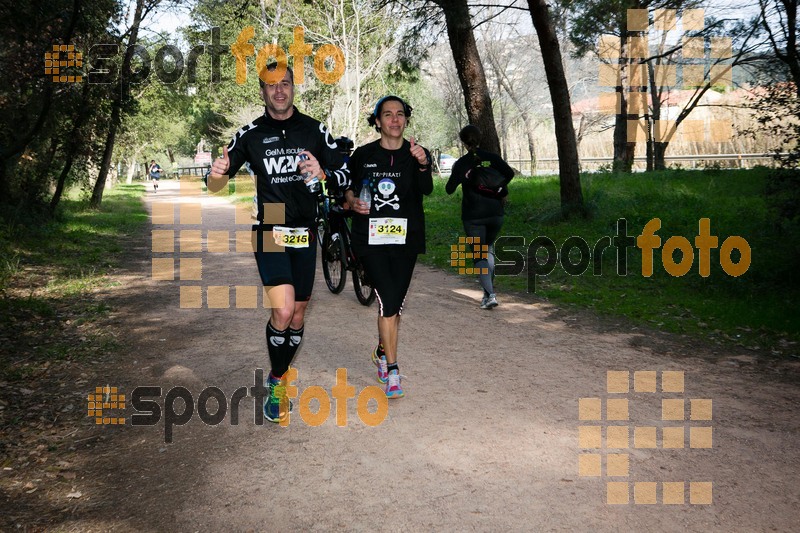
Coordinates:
[470,71]
[660,140]
[105,165]
[659,155]
[72,144]
[621,118]
[47,162]
[649,151]
[630,147]
[62,180]
[624,151]
[620,133]
[568,166]
[531,143]
[130,164]
[120,96]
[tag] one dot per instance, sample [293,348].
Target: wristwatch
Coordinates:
[427,163]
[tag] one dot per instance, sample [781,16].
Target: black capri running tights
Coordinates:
[391,276]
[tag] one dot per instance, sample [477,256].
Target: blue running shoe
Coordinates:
[277,405]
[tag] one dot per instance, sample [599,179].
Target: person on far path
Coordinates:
[390,231]
[285,150]
[481,215]
[155,173]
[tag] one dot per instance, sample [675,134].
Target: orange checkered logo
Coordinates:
[62,57]
[705,60]
[105,398]
[180,245]
[612,429]
[459,253]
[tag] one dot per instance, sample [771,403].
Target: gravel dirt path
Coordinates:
[487,437]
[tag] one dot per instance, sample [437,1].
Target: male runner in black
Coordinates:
[272,144]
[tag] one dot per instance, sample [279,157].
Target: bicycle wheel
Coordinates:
[333,267]
[365,292]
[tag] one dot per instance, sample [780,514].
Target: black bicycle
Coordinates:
[337,253]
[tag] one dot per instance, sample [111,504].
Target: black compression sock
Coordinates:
[277,348]
[295,337]
[380,351]
[392,366]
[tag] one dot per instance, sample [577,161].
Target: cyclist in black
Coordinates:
[389,234]
[272,144]
[481,215]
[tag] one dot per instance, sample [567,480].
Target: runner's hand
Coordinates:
[310,165]
[355,204]
[419,153]
[221,165]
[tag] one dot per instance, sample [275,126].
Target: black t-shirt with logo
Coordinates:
[397,186]
[270,147]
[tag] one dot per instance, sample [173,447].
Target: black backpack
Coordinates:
[487,181]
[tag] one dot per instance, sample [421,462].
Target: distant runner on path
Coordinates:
[155,173]
[482,206]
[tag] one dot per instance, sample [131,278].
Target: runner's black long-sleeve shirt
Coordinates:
[397,186]
[271,146]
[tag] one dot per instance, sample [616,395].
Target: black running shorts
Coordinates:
[291,266]
[391,277]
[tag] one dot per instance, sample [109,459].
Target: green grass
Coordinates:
[79,244]
[758,308]
[49,272]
